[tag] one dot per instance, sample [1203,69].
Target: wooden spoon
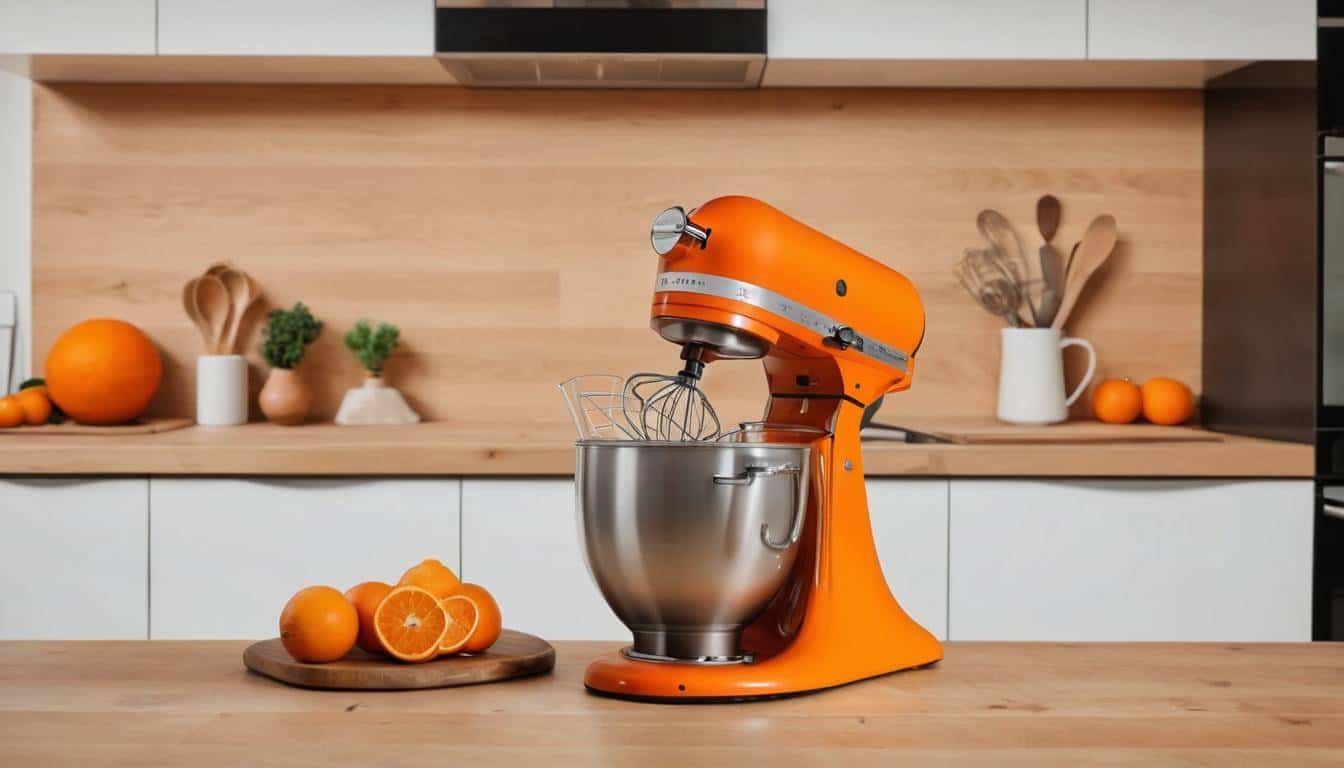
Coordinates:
[242,294]
[189,304]
[212,302]
[1096,246]
[1052,266]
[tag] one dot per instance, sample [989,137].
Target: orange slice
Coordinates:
[410,624]
[462,617]
[490,623]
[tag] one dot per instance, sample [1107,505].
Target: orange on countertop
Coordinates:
[36,405]
[318,625]
[366,597]
[11,412]
[463,618]
[489,622]
[431,575]
[103,372]
[410,624]
[1167,401]
[1117,401]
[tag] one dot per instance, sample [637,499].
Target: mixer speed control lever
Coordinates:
[844,337]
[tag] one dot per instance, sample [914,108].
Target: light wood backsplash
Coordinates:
[507,232]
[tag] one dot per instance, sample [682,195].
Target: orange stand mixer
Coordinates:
[836,331]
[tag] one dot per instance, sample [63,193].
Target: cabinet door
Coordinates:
[520,540]
[73,555]
[225,554]
[77,26]
[1130,560]
[910,528]
[917,29]
[1201,29]
[297,27]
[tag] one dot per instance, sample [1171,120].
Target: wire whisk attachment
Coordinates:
[671,408]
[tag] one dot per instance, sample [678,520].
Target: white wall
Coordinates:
[16,183]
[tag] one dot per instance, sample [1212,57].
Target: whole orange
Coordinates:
[11,413]
[488,625]
[103,372]
[1117,401]
[1167,401]
[432,576]
[318,625]
[366,597]
[36,406]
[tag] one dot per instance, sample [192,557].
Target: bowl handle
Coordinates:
[748,476]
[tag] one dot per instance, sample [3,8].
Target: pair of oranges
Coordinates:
[30,405]
[1160,400]
[427,614]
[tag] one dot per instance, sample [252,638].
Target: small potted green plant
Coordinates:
[375,402]
[285,398]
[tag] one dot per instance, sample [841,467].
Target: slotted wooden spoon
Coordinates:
[1092,252]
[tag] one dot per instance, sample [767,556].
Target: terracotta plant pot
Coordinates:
[285,399]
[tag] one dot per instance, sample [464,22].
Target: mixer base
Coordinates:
[613,677]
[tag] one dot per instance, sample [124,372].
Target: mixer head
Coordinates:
[738,279]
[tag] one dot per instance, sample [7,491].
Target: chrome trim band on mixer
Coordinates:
[764,298]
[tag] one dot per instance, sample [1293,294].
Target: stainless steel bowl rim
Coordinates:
[692,445]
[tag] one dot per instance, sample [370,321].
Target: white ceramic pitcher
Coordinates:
[1031,375]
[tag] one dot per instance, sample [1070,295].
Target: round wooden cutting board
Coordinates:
[514,654]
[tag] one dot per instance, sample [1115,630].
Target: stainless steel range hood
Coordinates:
[602,43]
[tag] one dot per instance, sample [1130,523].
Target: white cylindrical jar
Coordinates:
[221,390]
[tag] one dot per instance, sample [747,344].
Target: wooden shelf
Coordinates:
[441,448]
[781,72]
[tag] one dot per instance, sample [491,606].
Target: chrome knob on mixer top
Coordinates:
[669,226]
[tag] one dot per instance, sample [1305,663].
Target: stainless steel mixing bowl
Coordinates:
[688,542]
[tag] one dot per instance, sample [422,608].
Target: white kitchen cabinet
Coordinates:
[16,215]
[917,29]
[1130,560]
[297,28]
[72,559]
[910,528]
[1201,29]
[520,540]
[225,554]
[77,26]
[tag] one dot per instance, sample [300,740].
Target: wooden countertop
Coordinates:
[985,448]
[1025,704]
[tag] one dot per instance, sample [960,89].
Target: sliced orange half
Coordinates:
[462,617]
[410,624]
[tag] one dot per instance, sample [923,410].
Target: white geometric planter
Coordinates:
[374,403]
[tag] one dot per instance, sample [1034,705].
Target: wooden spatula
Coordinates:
[1093,250]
